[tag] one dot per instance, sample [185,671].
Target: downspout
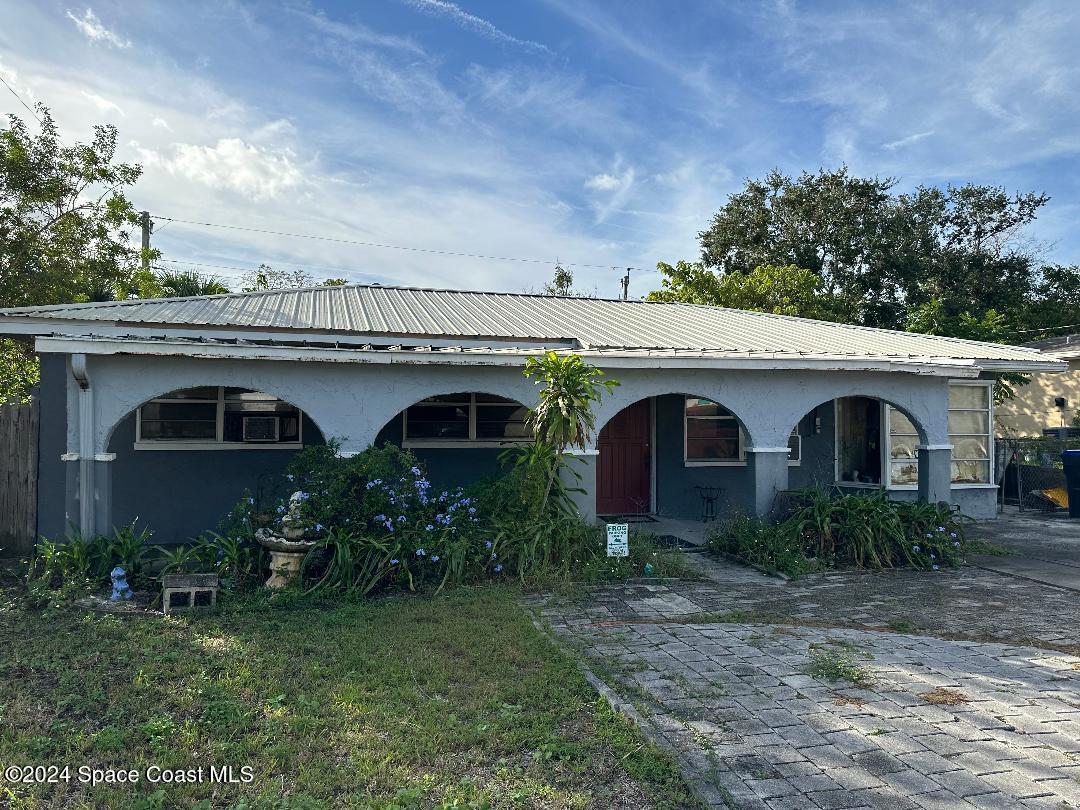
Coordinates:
[81,374]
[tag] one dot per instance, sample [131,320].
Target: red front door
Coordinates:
[622,469]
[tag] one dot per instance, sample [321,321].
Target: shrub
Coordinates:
[78,564]
[767,545]
[860,530]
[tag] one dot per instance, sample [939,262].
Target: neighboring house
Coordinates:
[166,410]
[1049,400]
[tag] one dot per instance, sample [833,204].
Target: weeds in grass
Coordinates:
[901,625]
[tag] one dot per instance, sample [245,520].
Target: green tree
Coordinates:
[564,417]
[787,290]
[184,283]
[65,228]
[267,278]
[880,253]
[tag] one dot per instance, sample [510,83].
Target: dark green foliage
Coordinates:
[826,530]
[77,563]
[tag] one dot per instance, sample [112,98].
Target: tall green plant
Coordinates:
[564,417]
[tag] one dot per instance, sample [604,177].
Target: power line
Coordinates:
[28,108]
[359,243]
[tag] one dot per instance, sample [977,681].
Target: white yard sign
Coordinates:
[618,540]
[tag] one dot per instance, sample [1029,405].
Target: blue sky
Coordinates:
[601,133]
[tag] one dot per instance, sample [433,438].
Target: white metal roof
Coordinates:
[505,318]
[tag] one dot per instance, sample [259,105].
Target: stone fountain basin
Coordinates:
[283,546]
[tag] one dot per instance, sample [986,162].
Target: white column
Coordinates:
[768,469]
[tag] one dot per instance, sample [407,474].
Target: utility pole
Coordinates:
[147,229]
[625,282]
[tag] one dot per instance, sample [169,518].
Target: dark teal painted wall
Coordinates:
[675,482]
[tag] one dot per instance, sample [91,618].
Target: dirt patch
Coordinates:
[944,697]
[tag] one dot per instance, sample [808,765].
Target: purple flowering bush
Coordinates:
[378,521]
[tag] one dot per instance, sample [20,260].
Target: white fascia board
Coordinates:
[607,359]
[1024,366]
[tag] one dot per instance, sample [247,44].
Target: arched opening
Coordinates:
[668,454]
[184,458]
[858,441]
[459,436]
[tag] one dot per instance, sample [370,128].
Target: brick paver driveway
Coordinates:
[953,712]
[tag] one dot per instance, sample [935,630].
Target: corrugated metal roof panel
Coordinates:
[595,323]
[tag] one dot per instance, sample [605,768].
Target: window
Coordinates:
[903,452]
[970,422]
[713,435]
[969,433]
[217,417]
[465,418]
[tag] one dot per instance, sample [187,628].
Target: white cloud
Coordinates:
[161,123]
[103,104]
[92,28]
[603,182]
[231,164]
[892,146]
[479,25]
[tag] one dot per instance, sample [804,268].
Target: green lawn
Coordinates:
[455,701]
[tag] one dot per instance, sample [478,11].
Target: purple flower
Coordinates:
[429,528]
[280,509]
[389,525]
[318,527]
[941,528]
[400,518]
[380,518]
[930,535]
[937,567]
[472,510]
[957,544]
[435,558]
[290,477]
[498,568]
[251,501]
[493,556]
[420,552]
[394,562]
[487,544]
[916,549]
[416,471]
[952,535]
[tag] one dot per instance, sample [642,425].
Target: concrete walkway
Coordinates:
[757,723]
[1043,547]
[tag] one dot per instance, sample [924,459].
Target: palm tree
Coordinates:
[184,283]
[563,417]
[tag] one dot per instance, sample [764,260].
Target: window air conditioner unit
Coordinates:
[261,428]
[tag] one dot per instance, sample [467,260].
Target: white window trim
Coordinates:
[989,436]
[741,461]
[219,442]
[471,442]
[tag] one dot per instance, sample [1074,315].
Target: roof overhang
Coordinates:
[512,356]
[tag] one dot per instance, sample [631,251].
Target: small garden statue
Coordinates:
[287,550]
[121,591]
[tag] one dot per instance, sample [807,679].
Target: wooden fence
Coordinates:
[18,478]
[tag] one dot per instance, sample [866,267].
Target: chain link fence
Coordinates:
[1030,474]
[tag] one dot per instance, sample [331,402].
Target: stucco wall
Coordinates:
[1033,407]
[52,521]
[179,493]
[448,467]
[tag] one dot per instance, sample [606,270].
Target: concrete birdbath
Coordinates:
[287,549]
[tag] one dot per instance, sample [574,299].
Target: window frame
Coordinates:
[471,441]
[741,460]
[218,442]
[886,444]
[988,436]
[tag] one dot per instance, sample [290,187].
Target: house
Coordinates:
[1049,400]
[166,410]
